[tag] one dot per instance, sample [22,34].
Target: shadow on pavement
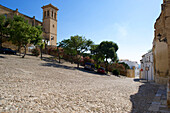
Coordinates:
[88,71]
[136,79]
[58,66]
[50,59]
[51,62]
[2,57]
[142,100]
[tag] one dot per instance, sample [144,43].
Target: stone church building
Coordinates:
[49,23]
[161,47]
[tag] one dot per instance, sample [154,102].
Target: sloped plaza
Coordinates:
[34,85]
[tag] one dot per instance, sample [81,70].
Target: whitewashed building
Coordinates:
[132,64]
[147,69]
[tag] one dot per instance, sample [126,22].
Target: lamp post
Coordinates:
[161,39]
[147,69]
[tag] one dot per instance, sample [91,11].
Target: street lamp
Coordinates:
[161,39]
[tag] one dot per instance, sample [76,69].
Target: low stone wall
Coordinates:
[131,73]
[9,45]
[161,80]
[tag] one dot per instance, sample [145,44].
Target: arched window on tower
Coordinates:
[52,14]
[48,13]
[44,13]
[55,15]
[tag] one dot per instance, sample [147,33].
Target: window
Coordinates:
[48,13]
[55,15]
[53,25]
[44,13]
[52,14]
[52,37]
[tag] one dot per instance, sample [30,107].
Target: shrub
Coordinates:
[35,52]
[125,65]
[116,72]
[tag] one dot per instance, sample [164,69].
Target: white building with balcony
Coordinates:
[147,69]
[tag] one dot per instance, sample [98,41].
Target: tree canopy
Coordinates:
[97,54]
[22,33]
[108,49]
[76,45]
[4,23]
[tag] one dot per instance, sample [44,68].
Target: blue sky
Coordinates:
[129,23]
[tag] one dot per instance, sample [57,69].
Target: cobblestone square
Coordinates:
[34,85]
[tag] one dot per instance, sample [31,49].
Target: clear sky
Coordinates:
[129,23]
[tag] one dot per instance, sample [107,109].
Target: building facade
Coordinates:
[133,65]
[147,69]
[161,45]
[49,23]
[161,48]
[130,63]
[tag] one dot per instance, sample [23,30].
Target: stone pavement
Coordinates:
[159,104]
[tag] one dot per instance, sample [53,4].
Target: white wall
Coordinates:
[147,61]
[131,65]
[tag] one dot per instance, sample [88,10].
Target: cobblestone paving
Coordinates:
[159,104]
[32,85]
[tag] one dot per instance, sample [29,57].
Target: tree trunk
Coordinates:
[58,51]
[41,52]
[25,47]
[77,61]
[71,59]
[78,65]
[97,65]
[19,50]
[106,66]
[59,58]
[1,40]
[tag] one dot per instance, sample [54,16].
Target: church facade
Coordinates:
[49,23]
[161,48]
[161,45]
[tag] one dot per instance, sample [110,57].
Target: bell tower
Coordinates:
[50,24]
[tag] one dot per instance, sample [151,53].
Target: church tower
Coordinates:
[50,24]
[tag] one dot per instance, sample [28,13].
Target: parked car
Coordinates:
[89,66]
[7,51]
[101,70]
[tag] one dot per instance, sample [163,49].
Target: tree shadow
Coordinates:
[2,57]
[89,71]
[50,59]
[58,66]
[136,79]
[142,100]
[51,62]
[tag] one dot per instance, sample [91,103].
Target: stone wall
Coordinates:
[131,73]
[160,48]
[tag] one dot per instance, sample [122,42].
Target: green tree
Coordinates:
[96,54]
[36,38]
[76,45]
[22,33]
[108,49]
[125,65]
[4,23]
[66,45]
